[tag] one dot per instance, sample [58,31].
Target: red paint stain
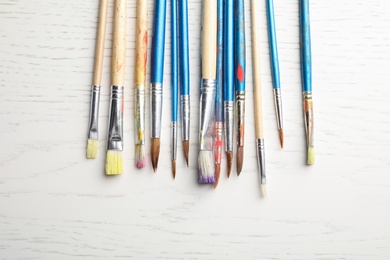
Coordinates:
[240,73]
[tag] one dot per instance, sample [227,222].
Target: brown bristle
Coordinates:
[186,149]
[217,174]
[174,168]
[281,137]
[240,159]
[229,157]
[155,152]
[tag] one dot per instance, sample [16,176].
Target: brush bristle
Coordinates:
[140,160]
[174,168]
[186,149]
[281,137]
[114,162]
[155,152]
[240,159]
[206,167]
[263,190]
[92,148]
[310,155]
[229,157]
[217,174]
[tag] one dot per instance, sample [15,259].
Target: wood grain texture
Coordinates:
[141,47]
[118,61]
[55,204]
[209,39]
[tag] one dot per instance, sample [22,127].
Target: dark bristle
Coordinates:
[186,149]
[281,137]
[229,157]
[217,174]
[174,169]
[155,152]
[240,159]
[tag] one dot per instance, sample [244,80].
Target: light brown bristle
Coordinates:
[186,149]
[240,159]
[281,137]
[217,174]
[155,152]
[229,157]
[174,168]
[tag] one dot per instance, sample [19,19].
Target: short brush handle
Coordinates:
[141,41]
[305,46]
[119,44]
[209,39]
[99,48]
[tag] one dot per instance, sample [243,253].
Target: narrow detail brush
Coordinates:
[207,92]
[93,143]
[307,78]
[115,126]
[140,75]
[157,73]
[174,84]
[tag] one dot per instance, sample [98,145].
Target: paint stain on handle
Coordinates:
[240,73]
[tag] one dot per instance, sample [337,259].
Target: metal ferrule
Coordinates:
[218,130]
[240,104]
[185,116]
[94,113]
[139,114]
[173,140]
[115,125]
[278,107]
[261,159]
[156,101]
[228,107]
[309,117]
[207,97]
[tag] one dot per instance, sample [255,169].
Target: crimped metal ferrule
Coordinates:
[156,102]
[185,116]
[139,123]
[278,107]
[173,140]
[309,117]
[261,159]
[228,107]
[240,104]
[218,131]
[94,113]
[115,125]
[207,97]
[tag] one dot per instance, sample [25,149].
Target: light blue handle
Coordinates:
[174,60]
[239,28]
[183,48]
[273,46]
[228,75]
[158,42]
[305,46]
[218,96]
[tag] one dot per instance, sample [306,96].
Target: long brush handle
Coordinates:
[218,96]
[228,58]
[174,60]
[99,48]
[119,44]
[305,46]
[209,40]
[239,46]
[273,44]
[184,47]
[158,42]
[141,41]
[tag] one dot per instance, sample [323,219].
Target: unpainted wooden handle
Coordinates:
[209,39]
[141,41]
[118,60]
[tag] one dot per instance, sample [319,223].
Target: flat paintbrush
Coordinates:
[92,145]
[174,84]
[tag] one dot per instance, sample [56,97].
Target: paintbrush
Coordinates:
[118,60]
[306,78]
[275,69]
[258,98]
[92,145]
[239,50]
[141,48]
[157,73]
[218,125]
[184,75]
[228,82]
[207,92]
[174,84]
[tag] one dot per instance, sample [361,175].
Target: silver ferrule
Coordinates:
[173,140]
[156,102]
[115,121]
[94,113]
[308,117]
[228,107]
[206,112]
[139,123]
[261,159]
[278,107]
[240,106]
[185,116]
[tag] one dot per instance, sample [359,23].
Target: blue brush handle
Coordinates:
[239,29]
[174,60]
[183,48]
[228,80]
[305,46]
[158,42]
[273,44]
[218,96]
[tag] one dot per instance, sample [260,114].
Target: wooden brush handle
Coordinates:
[209,39]
[141,41]
[99,48]
[256,73]
[119,44]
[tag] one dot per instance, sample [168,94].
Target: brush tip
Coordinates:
[186,149]
[281,137]
[140,160]
[310,155]
[92,148]
[206,167]
[217,174]
[240,159]
[114,162]
[263,188]
[174,169]
[155,152]
[229,157]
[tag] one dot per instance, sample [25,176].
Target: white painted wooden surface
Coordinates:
[55,204]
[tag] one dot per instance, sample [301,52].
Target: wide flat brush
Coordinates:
[174,84]
[93,133]
[141,48]
[207,92]
[118,60]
